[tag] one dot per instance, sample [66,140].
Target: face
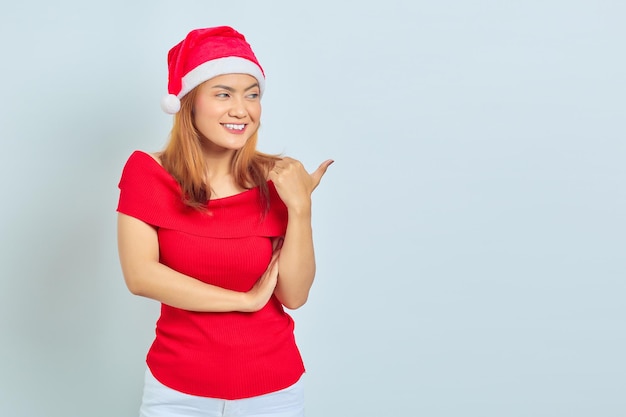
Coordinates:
[227,111]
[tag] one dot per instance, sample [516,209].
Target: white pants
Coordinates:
[161,401]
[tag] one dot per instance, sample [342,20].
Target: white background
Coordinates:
[470,236]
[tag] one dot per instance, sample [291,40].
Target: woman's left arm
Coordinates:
[296,265]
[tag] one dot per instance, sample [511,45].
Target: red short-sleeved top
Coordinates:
[221,355]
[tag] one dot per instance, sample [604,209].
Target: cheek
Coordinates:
[207,106]
[255,112]
[203,114]
[204,123]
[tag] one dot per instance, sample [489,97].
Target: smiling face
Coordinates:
[227,111]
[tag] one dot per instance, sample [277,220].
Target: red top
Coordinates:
[221,355]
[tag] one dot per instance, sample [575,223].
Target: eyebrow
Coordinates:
[231,89]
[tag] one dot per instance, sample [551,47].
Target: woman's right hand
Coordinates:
[262,291]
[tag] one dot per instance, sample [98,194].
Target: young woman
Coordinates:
[220,234]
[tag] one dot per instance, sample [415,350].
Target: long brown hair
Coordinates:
[184,160]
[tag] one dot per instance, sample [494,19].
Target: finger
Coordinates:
[320,171]
[273,175]
[277,243]
[283,163]
[275,172]
[275,257]
[273,271]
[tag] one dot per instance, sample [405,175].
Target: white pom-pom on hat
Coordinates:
[170,104]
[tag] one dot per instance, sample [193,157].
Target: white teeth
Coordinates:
[233,126]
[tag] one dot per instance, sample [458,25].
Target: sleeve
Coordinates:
[147,191]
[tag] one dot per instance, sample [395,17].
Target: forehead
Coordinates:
[232,80]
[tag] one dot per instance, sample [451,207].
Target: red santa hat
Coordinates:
[204,54]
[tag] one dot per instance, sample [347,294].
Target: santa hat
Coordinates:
[204,54]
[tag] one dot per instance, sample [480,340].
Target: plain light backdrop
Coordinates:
[470,236]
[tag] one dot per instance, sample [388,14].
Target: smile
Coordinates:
[234,126]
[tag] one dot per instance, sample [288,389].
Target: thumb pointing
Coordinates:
[320,171]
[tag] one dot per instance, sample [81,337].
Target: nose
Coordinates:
[238,109]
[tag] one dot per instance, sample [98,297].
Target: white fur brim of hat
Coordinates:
[210,69]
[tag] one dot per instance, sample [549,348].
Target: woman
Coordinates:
[220,234]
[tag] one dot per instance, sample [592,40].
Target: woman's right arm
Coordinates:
[138,247]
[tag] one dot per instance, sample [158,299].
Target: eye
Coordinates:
[253,96]
[222,95]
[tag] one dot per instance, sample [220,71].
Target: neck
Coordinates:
[218,168]
[219,174]
[218,163]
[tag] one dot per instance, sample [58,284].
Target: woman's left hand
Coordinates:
[294,184]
